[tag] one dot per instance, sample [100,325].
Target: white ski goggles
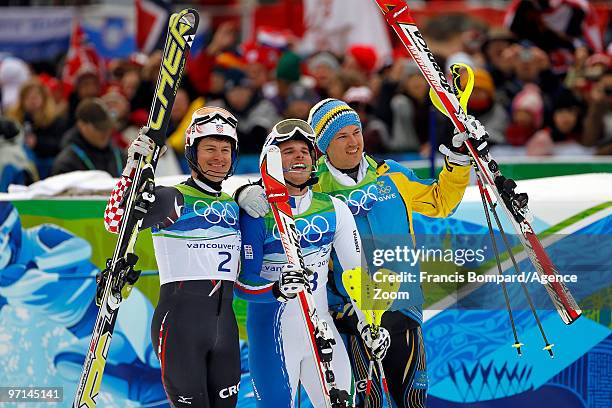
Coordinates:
[289,128]
[213,124]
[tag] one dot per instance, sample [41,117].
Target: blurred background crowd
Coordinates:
[543,81]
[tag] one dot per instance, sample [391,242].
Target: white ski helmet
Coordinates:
[210,121]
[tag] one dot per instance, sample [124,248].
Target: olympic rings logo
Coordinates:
[311,231]
[382,188]
[216,212]
[359,199]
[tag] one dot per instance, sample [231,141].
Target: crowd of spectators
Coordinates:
[538,91]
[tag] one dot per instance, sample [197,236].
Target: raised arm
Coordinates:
[165,209]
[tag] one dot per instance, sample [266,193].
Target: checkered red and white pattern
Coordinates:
[112,213]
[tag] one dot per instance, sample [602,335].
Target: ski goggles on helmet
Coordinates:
[289,129]
[292,129]
[207,122]
[210,121]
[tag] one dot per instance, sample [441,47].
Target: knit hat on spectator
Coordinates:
[288,67]
[253,53]
[328,117]
[115,99]
[530,100]
[365,56]
[13,73]
[498,34]
[359,98]
[459,57]
[484,81]
[323,58]
[86,72]
[599,59]
[113,92]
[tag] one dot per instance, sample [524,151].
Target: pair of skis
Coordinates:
[487,204]
[320,342]
[398,16]
[119,273]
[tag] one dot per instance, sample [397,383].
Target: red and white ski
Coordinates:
[276,192]
[398,16]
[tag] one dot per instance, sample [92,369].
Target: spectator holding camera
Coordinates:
[557,27]
[530,65]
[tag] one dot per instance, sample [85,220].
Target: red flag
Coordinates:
[151,23]
[82,59]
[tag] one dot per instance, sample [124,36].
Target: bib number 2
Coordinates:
[228,257]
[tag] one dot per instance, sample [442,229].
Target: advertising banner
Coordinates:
[35,33]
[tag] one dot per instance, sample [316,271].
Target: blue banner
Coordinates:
[35,33]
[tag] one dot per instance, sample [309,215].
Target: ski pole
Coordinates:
[361,289]
[517,344]
[369,382]
[370,372]
[383,377]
